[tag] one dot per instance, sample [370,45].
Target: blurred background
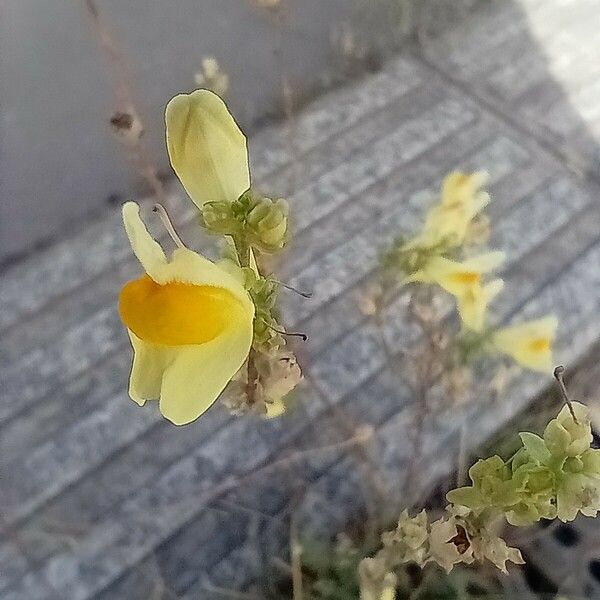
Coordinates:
[355,110]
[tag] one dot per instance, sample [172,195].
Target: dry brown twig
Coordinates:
[126,122]
[426,367]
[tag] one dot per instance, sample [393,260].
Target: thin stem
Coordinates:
[299,334]
[164,217]
[251,378]
[558,375]
[287,286]
[461,472]
[243,252]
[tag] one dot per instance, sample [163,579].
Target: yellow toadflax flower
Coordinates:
[530,343]
[449,221]
[190,325]
[208,151]
[464,281]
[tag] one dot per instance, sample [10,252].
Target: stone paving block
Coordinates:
[333,113]
[92,498]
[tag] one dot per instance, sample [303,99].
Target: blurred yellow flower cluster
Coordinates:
[442,254]
[436,248]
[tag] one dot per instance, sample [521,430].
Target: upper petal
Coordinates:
[147,250]
[484,263]
[207,149]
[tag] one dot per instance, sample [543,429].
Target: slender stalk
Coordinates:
[243,251]
[558,375]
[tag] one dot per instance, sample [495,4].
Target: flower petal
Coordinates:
[149,363]
[198,374]
[207,149]
[147,250]
[529,343]
[473,306]
[484,263]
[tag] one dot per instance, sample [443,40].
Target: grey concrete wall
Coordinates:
[59,161]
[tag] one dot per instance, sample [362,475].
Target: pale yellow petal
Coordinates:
[149,363]
[484,263]
[198,374]
[147,250]
[458,186]
[435,270]
[207,149]
[480,201]
[492,289]
[529,343]
[473,305]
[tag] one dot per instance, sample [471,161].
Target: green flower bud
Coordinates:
[267,224]
[413,531]
[492,486]
[221,218]
[577,492]
[565,437]
[534,481]
[528,513]
[258,222]
[573,464]
[591,463]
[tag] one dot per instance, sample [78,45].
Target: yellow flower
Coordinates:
[530,343]
[190,325]
[207,149]
[449,221]
[464,281]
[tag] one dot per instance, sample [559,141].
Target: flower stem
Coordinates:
[558,375]
[243,251]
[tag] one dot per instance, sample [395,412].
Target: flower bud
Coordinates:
[564,436]
[267,224]
[220,218]
[206,147]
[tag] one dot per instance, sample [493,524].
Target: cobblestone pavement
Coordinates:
[101,499]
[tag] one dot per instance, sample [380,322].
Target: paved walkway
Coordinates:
[101,499]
